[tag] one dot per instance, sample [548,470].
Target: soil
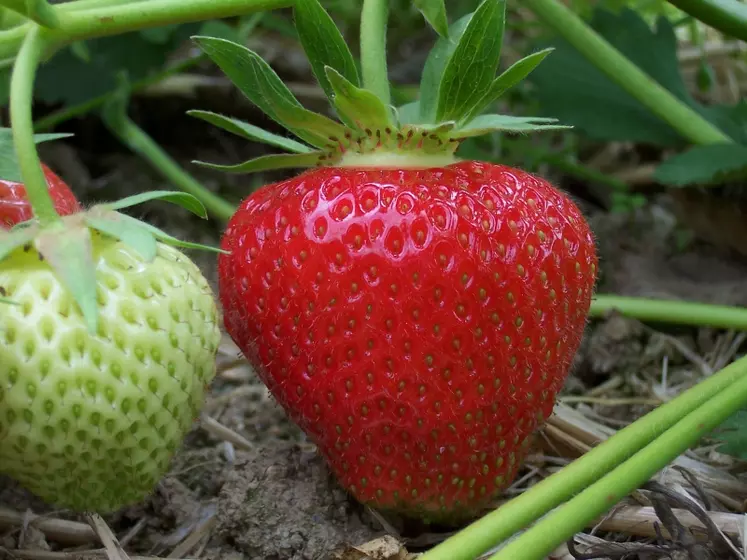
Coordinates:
[277,500]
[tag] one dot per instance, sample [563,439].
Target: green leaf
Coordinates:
[12,240]
[8,301]
[434,68]
[69,80]
[733,435]
[132,234]
[324,44]
[70,255]
[434,12]
[218,28]
[508,79]
[9,168]
[262,86]
[473,64]
[441,129]
[267,163]
[409,113]
[574,90]
[361,107]
[485,124]
[170,240]
[81,50]
[250,132]
[185,200]
[704,165]
[160,35]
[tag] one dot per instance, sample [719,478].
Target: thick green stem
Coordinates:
[728,16]
[142,144]
[11,18]
[627,75]
[523,510]
[374,17]
[79,5]
[598,499]
[22,125]
[119,18]
[675,312]
[39,11]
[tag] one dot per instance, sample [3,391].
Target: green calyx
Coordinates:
[67,247]
[459,84]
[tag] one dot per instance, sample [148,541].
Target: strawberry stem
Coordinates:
[131,135]
[596,500]
[39,11]
[21,99]
[728,16]
[730,384]
[113,18]
[627,75]
[675,312]
[374,15]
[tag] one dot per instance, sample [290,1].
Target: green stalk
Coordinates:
[39,11]
[21,100]
[139,142]
[675,312]
[728,16]
[598,499]
[522,511]
[76,25]
[622,71]
[78,5]
[11,18]
[374,15]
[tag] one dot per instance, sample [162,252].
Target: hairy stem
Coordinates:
[113,18]
[676,312]
[523,510]
[728,16]
[21,117]
[602,496]
[374,17]
[622,71]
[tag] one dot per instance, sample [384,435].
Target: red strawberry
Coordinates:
[417,324]
[414,315]
[15,207]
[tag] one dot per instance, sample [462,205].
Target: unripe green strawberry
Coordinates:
[91,422]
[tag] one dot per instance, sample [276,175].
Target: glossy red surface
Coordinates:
[416,324]
[15,207]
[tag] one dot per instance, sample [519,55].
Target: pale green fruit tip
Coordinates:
[91,422]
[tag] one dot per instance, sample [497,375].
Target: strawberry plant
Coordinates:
[582,90]
[413,307]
